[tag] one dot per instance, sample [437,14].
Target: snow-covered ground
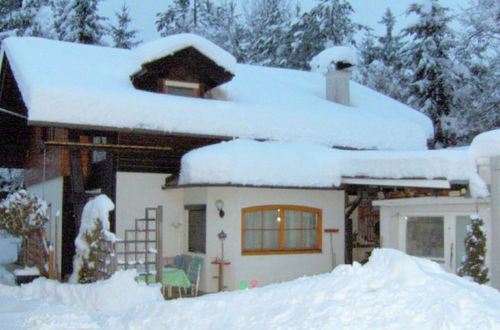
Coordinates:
[392,291]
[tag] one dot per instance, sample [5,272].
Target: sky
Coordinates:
[367,12]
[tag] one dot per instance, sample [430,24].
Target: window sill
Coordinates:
[277,252]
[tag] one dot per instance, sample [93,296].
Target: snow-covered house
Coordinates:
[277,150]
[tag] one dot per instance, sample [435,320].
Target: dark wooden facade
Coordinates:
[14,132]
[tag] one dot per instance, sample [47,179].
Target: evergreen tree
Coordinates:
[78,21]
[223,26]
[123,37]
[390,44]
[325,25]
[268,22]
[32,18]
[479,53]
[380,67]
[473,263]
[181,16]
[431,84]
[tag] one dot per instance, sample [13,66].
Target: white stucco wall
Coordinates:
[52,192]
[265,269]
[392,213]
[135,192]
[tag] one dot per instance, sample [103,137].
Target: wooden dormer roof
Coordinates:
[187,64]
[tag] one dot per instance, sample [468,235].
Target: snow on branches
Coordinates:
[473,263]
[22,213]
[94,228]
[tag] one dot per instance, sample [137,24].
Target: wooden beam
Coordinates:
[103,146]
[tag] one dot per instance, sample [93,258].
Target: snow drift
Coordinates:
[392,291]
[119,293]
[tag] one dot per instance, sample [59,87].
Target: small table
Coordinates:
[172,277]
[175,277]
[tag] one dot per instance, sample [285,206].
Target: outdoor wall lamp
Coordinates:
[219,205]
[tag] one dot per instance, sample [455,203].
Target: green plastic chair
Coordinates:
[193,274]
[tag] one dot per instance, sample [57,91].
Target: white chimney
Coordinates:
[337,86]
[335,63]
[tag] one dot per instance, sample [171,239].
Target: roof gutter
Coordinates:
[419,183]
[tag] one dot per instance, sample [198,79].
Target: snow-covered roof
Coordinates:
[154,50]
[327,59]
[486,144]
[281,164]
[69,83]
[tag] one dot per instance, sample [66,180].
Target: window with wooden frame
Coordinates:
[280,229]
[180,88]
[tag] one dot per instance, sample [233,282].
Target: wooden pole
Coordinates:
[159,244]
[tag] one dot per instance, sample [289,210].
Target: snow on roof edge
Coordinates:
[255,163]
[159,48]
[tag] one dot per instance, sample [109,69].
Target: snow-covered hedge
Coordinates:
[22,213]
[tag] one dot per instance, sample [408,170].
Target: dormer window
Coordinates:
[181,88]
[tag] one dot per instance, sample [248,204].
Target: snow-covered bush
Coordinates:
[21,213]
[475,251]
[94,228]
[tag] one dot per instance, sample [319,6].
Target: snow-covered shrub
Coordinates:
[21,213]
[94,228]
[475,252]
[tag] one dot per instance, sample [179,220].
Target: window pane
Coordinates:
[197,231]
[461,231]
[252,240]
[425,237]
[293,219]
[310,239]
[253,220]
[310,220]
[271,239]
[180,91]
[293,239]
[271,219]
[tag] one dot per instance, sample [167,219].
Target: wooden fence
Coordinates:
[38,253]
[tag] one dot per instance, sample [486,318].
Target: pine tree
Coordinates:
[479,54]
[32,18]
[78,21]
[390,44]
[325,25]
[431,85]
[380,67]
[222,24]
[473,263]
[268,22]
[180,17]
[122,36]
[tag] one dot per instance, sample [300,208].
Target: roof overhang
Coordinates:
[414,183]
